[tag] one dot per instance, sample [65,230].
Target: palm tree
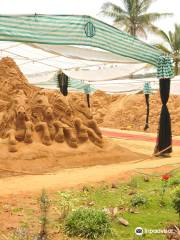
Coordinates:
[171,45]
[133,16]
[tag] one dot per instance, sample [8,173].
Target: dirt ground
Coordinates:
[39,159]
[23,190]
[94,167]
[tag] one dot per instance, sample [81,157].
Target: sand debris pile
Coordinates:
[101,104]
[28,113]
[128,112]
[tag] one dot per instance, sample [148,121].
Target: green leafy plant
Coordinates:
[88,223]
[44,206]
[21,234]
[133,16]
[176,201]
[175,182]
[65,204]
[138,200]
[171,45]
[165,182]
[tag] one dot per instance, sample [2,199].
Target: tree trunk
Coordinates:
[133,30]
[176,67]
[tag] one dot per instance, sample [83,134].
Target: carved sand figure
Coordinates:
[63,117]
[46,123]
[15,122]
[85,126]
[30,109]
[41,112]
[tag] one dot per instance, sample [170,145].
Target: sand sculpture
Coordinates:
[128,112]
[29,113]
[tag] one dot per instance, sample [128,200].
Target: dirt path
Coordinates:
[132,135]
[88,175]
[79,176]
[74,177]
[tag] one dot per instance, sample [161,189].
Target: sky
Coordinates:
[87,7]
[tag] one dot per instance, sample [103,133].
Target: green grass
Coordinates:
[148,216]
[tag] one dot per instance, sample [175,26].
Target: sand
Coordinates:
[128,112]
[81,157]
[19,192]
[39,158]
[25,110]
[42,131]
[78,177]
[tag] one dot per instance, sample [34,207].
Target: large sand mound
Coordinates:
[128,112]
[42,130]
[42,159]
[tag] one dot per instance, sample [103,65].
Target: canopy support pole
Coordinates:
[88,100]
[147,112]
[62,80]
[147,91]
[87,91]
[164,138]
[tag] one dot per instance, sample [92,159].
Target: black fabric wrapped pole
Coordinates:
[147,91]
[147,112]
[164,140]
[88,99]
[62,80]
[87,91]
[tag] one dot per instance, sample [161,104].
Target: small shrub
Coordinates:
[88,223]
[138,200]
[175,182]
[165,179]
[66,203]
[21,234]
[176,201]
[44,206]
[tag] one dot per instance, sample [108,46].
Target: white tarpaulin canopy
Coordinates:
[108,72]
[127,86]
[40,67]
[34,60]
[84,53]
[37,62]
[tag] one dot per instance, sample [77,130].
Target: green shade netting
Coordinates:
[164,67]
[75,30]
[147,88]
